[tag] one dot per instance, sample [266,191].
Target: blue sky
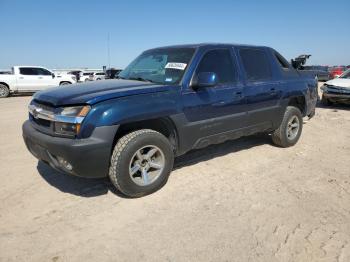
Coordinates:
[64,34]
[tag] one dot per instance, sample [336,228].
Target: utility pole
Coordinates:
[108,52]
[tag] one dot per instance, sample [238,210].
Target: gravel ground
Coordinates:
[243,200]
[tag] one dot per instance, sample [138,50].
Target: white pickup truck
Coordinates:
[31,79]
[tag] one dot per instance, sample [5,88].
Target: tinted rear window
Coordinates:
[256,64]
[28,71]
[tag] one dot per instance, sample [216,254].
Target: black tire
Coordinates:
[4,91]
[325,101]
[65,83]
[123,153]
[280,136]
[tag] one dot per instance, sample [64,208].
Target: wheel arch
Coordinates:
[61,82]
[163,125]
[5,84]
[298,102]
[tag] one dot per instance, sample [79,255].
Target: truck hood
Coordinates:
[97,91]
[341,82]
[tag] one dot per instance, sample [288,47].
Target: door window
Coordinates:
[30,71]
[219,62]
[43,72]
[256,64]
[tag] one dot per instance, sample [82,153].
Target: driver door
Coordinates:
[216,113]
[45,78]
[27,79]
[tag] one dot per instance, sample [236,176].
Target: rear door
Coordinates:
[27,79]
[262,90]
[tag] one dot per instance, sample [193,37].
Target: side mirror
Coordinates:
[205,79]
[53,75]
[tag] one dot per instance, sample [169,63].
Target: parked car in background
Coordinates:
[112,73]
[337,90]
[167,102]
[76,73]
[85,76]
[321,72]
[97,76]
[336,71]
[31,79]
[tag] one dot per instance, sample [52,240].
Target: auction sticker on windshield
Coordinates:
[179,66]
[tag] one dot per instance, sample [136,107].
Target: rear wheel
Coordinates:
[4,91]
[65,83]
[141,162]
[290,129]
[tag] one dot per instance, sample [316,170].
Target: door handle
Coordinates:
[40,77]
[21,77]
[238,94]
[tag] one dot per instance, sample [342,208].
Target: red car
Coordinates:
[336,72]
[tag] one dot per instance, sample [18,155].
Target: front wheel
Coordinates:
[141,162]
[288,133]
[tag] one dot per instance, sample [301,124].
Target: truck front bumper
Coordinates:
[87,157]
[341,98]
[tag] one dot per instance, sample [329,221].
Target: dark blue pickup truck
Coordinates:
[167,102]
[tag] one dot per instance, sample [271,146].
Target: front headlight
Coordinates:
[68,119]
[74,111]
[324,87]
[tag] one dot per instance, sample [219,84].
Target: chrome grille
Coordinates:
[41,116]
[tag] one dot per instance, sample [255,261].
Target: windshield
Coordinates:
[346,74]
[160,66]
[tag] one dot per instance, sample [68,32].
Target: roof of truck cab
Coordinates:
[207,45]
[29,66]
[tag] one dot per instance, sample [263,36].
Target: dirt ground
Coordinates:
[244,200]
